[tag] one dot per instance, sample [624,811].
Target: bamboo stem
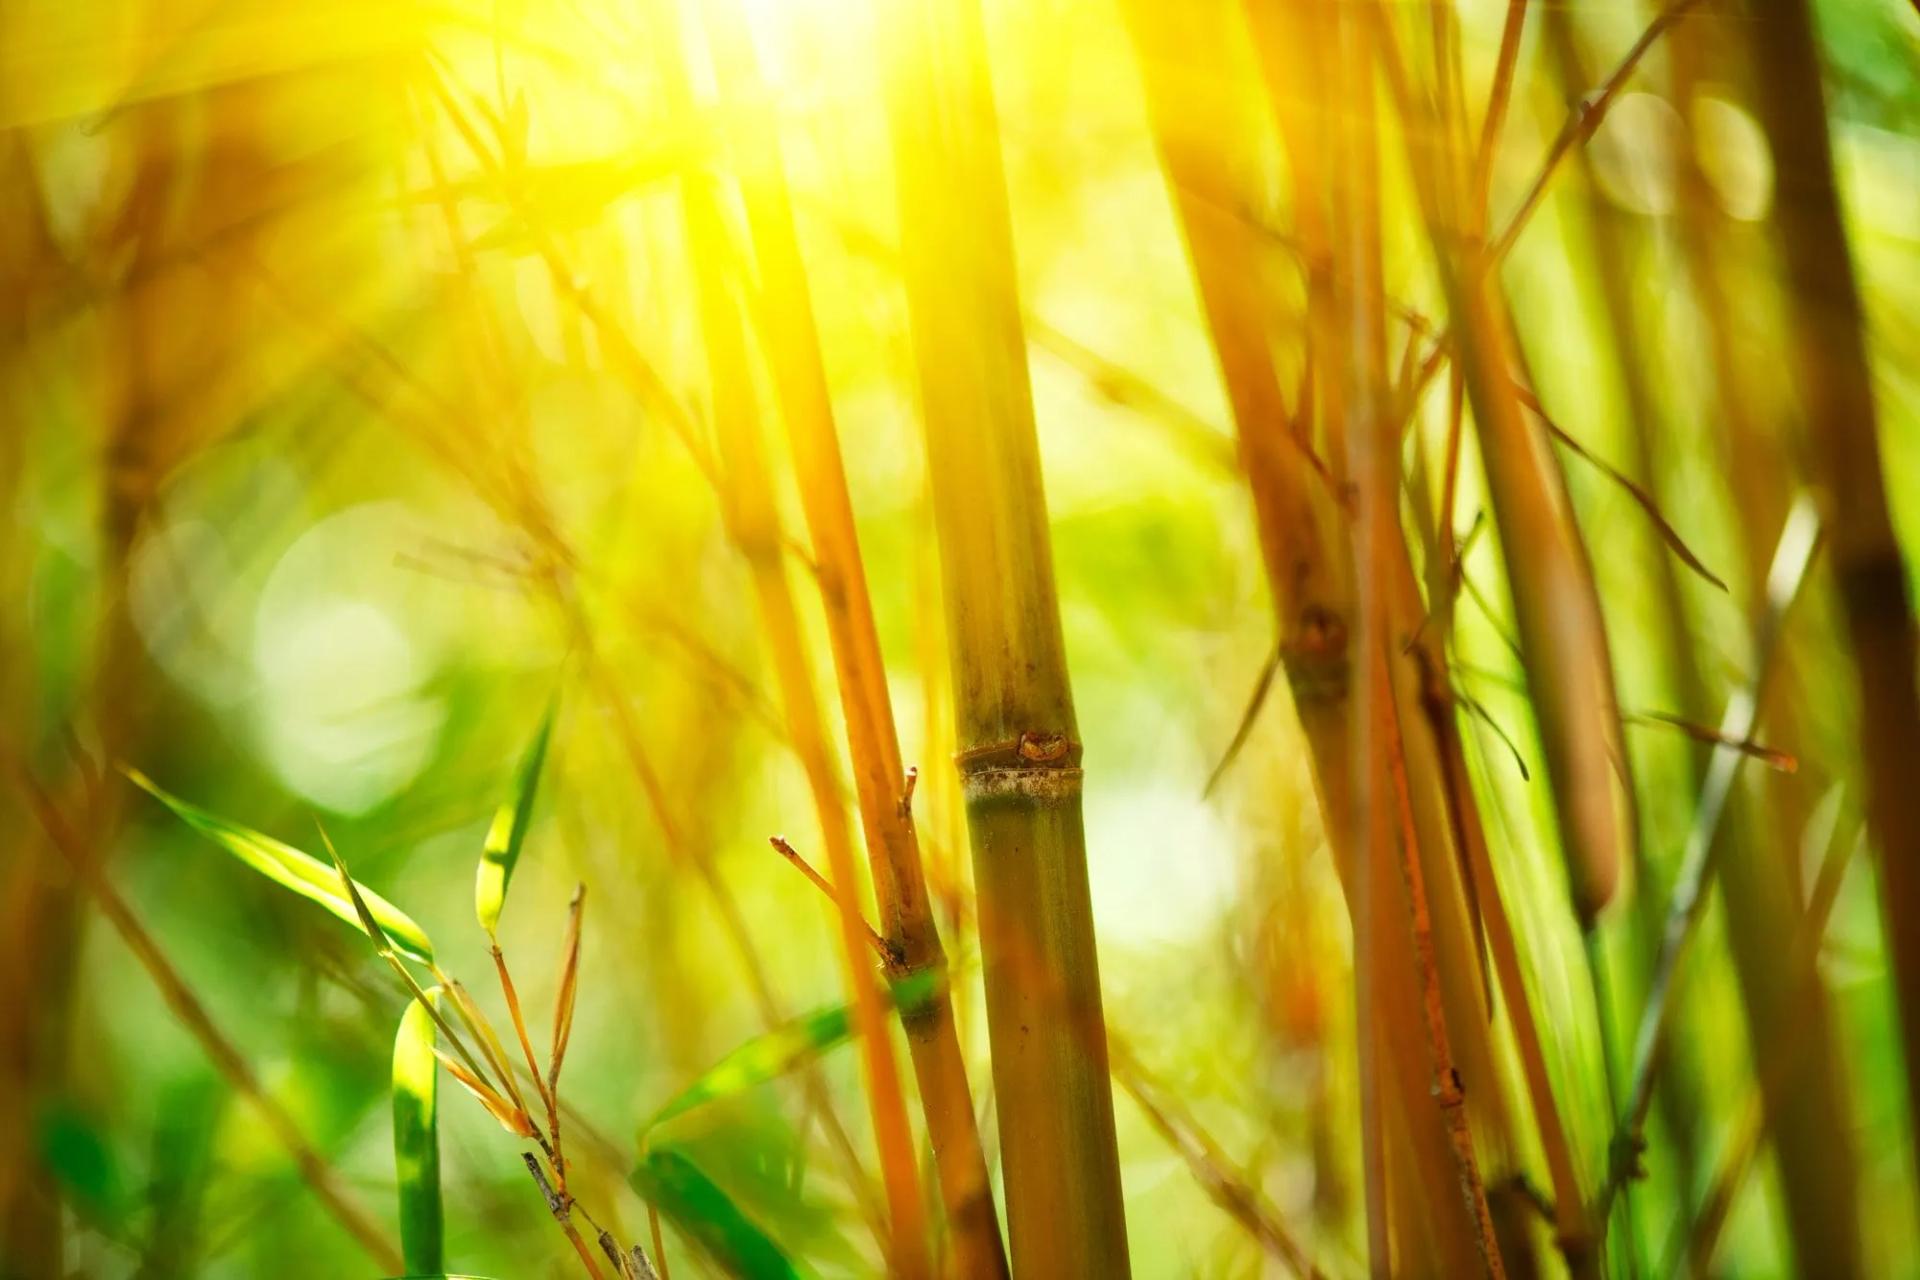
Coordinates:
[733,923]
[1373,471]
[1019,754]
[754,526]
[1414,1201]
[881,782]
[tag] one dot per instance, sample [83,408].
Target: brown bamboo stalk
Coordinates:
[753,524]
[1304,544]
[1556,606]
[1835,385]
[1574,1232]
[1373,470]
[880,778]
[1020,754]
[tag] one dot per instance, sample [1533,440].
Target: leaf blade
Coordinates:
[416,1141]
[508,831]
[777,1052]
[704,1211]
[293,870]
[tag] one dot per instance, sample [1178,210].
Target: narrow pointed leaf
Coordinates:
[509,829]
[770,1056]
[677,1187]
[482,1031]
[416,1141]
[511,1118]
[291,869]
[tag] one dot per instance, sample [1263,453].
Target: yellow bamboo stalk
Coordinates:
[880,780]
[1020,754]
[753,524]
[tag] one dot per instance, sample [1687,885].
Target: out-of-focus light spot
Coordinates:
[74,165]
[1732,152]
[1634,153]
[1161,862]
[341,712]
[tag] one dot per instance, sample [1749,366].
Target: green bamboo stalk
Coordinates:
[1835,381]
[1019,749]
[880,780]
[1811,1128]
[1700,864]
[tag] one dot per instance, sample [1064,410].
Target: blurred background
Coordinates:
[353,404]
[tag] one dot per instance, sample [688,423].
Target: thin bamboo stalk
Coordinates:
[1678,1095]
[1019,749]
[526,510]
[753,523]
[880,778]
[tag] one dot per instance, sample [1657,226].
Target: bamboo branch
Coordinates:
[1581,124]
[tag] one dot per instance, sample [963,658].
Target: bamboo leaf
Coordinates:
[509,829]
[291,869]
[514,1120]
[416,1141]
[770,1056]
[700,1208]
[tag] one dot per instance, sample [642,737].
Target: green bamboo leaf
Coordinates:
[675,1186]
[774,1054]
[509,829]
[416,1140]
[291,869]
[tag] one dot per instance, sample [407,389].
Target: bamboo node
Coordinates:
[1047,786]
[1039,767]
[1031,750]
[1315,656]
